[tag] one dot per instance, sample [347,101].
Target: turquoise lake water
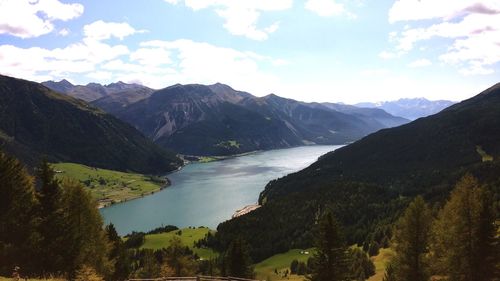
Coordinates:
[206,194]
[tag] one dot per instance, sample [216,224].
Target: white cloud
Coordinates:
[64,32]
[377,72]
[156,64]
[407,10]
[388,55]
[420,63]
[100,75]
[151,56]
[241,17]
[100,30]
[325,8]
[199,62]
[26,19]
[473,28]
[82,57]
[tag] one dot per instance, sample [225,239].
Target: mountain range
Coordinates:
[37,122]
[366,184]
[95,91]
[218,120]
[410,108]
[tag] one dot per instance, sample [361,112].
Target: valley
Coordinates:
[217,140]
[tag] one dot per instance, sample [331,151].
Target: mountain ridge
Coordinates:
[36,121]
[366,184]
[196,119]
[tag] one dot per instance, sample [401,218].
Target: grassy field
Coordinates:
[265,270]
[380,262]
[188,236]
[109,186]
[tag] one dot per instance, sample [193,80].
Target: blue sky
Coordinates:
[311,50]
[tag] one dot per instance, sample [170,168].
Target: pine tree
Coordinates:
[18,218]
[85,240]
[331,257]
[464,243]
[118,255]
[411,242]
[52,226]
[238,262]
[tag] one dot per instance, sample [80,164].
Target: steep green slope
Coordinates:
[36,121]
[367,183]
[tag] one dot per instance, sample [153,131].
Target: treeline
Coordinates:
[48,227]
[459,241]
[366,212]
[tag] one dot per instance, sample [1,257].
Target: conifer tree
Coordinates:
[52,225]
[411,242]
[464,244]
[118,255]
[18,218]
[238,262]
[331,257]
[85,239]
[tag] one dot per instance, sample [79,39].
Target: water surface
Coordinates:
[206,194]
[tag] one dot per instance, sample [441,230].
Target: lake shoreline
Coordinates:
[210,193]
[101,204]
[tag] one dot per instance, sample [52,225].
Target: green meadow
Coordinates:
[108,186]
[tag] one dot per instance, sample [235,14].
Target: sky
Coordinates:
[312,50]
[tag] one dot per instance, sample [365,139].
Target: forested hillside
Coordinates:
[368,183]
[37,122]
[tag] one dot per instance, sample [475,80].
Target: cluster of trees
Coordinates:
[179,260]
[366,212]
[458,241]
[333,259]
[48,227]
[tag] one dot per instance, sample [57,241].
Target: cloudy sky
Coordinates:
[311,50]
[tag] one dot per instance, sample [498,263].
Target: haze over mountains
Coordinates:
[218,120]
[409,108]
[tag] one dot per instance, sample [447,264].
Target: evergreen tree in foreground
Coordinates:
[18,220]
[465,247]
[52,225]
[331,257]
[85,240]
[411,242]
[118,255]
[237,260]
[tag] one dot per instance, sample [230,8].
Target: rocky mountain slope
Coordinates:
[218,120]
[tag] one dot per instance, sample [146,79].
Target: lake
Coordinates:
[206,194]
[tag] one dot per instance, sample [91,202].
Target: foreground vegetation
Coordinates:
[56,230]
[109,186]
[381,261]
